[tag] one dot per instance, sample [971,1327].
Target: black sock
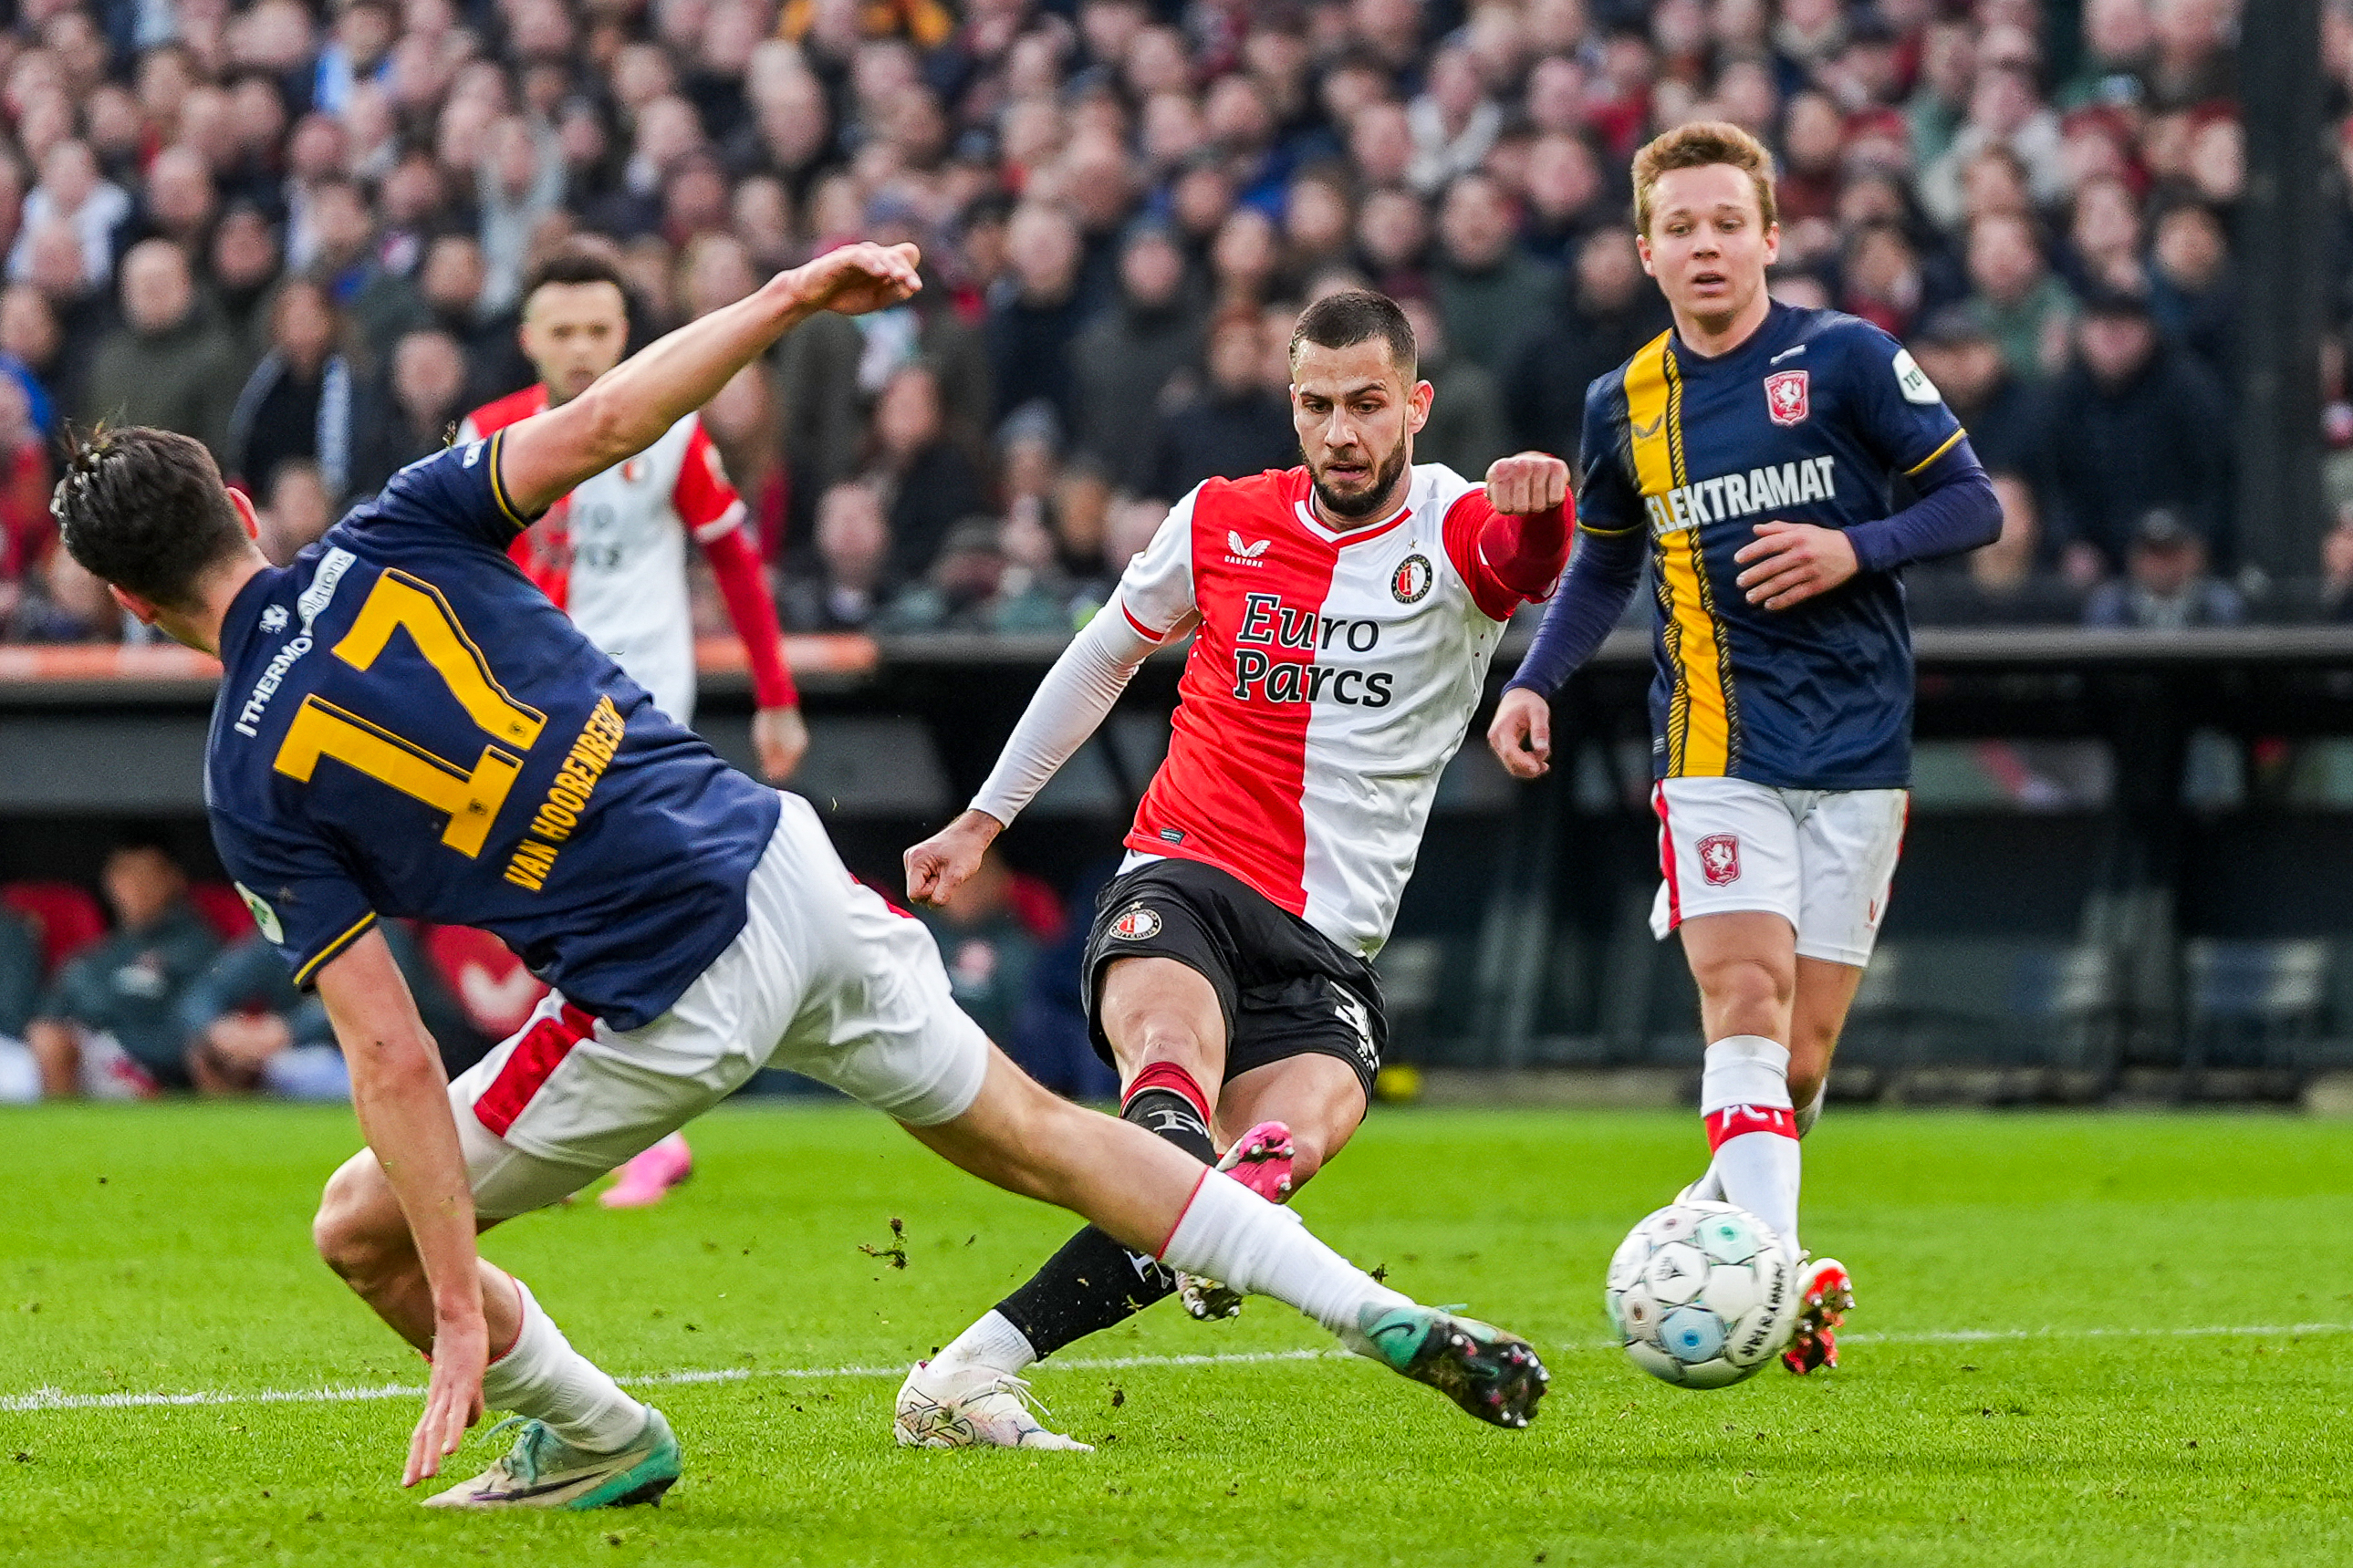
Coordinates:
[1094,1282]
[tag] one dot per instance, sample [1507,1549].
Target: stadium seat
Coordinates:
[223,909]
[1977,1003]
[2259,1004]
[68,917]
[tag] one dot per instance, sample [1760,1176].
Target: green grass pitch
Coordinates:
[2161,1371]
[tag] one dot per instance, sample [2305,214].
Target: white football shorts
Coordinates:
[826,979]
[1822,859]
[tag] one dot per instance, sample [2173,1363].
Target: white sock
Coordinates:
[1745,1100]
[1709,1188]
[545,1378]
[1229,1233]
[993,1343]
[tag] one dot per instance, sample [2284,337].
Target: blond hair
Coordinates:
[1697,145]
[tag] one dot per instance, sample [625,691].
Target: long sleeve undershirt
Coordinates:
[1067,708]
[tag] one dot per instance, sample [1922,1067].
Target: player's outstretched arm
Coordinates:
[629,408]
[403,1101]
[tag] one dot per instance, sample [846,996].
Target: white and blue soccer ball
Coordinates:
[1702,1295]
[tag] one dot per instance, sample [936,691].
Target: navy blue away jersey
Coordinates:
[407,726]
[1810,420]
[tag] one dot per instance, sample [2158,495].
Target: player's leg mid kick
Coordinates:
[1749,452]
[1228,974]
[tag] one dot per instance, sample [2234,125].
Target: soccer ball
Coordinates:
[1700,1294]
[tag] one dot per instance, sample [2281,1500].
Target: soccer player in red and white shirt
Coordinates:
[612,554]
[1342,615]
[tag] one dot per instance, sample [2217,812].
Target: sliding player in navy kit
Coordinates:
[1750,452]
[407,727]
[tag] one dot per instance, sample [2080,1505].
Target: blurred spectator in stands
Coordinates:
[962,589]
[27,532]
[1569,199]
[63,604]
[928,482]
[2004,111]
[744,423]
[2104,236]
[20,992]
[831,370]
[168,363]
[1318,223]
[850,583]
[243,264]
[177,203]
[2144,427]
[2191,291]
[1236,426]
[1393,242]
[2119,49]
[2167,585]
[298,402]
[1453,121]
[2005,583]
[109,1025]
[2337,567]
[249,1031]
[2024,306]
[412,412]
[1490,291]
[987,950]
[2008,419]
[74,193]
[29,345]
[1466,429]
[294,512]
[1032,323]
[1126,358]
[1613,310]
[84,312]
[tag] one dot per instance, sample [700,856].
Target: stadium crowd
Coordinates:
[298,235]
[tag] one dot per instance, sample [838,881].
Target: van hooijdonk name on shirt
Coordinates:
[1269,623]
[1742,494]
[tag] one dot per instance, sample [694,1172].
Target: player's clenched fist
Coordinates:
[857,279]
[1526,483]
[1521,736]
[938,866]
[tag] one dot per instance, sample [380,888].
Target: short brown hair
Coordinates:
[145,510]
[1694,146]
[1354,316]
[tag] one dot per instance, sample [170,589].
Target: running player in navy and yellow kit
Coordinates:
[1750,452]
[406,727]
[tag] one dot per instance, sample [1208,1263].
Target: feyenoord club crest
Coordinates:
[1135,923]
[1719,858]
[1412,579]
[1785,396]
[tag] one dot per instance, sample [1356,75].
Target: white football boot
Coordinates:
[972,1406]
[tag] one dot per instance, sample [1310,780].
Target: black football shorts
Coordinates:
[1287,989]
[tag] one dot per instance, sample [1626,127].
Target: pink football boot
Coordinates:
[648,1178]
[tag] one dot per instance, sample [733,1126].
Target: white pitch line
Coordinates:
[43,1399]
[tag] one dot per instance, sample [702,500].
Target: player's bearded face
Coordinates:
[1708,244]
[1356,412]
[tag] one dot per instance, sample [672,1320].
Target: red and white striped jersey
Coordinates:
[613,552]
[1331,679]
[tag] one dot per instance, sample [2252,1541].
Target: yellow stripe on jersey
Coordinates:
[1701,712]
[1935,455]
[499,484]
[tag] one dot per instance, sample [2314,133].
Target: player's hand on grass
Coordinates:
[453,1398]
[1790,563]
[857,279]
[938,866]
[1521,736]
[781,737]
[1526,483]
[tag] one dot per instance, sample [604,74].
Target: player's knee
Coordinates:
[1748,985]
[348,1230]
